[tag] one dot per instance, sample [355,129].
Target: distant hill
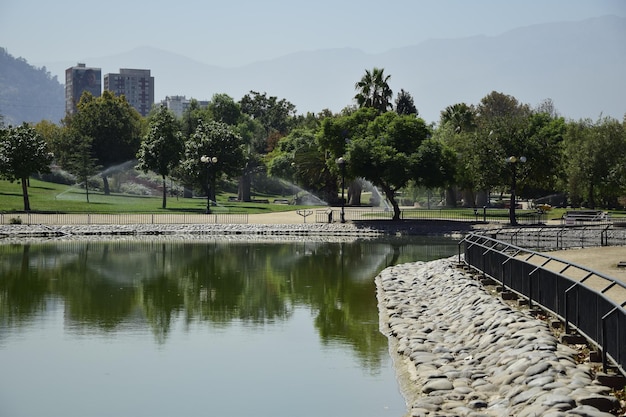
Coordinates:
[27,93]
[579,65]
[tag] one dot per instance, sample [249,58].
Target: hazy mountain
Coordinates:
[27,93]
[579,65]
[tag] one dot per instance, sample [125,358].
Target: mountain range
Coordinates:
[580,66]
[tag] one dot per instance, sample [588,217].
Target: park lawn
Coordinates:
[60,198]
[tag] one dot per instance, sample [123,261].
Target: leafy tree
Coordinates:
[333,138]
[212,139]
[192,117]
[275,115]
[373,90]
[81,163]
[387,155]
[224,109]
[405,104]
[299,158]
[594,162]
[113,125]
[23,152]
[162,147]
[435,164]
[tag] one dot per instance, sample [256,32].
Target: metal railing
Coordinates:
[592,303]
[122,218]
[558,237]
[465,215]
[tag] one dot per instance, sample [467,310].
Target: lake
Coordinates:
[199,327]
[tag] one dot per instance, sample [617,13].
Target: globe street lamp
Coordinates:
[342,166]
[208,161]
[514,160]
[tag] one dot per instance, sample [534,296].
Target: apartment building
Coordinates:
[137,85]
[79,79]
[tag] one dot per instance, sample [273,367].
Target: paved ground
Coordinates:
[602,259]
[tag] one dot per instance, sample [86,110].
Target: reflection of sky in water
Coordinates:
[156,330]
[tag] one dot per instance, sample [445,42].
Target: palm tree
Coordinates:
[373,90]
[462,117]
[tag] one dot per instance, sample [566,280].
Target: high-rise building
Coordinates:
[78,79]
[136,85]
[179,104]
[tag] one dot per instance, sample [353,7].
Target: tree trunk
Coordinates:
[105,182]
[450,197]
[482,198]
[25,194]
[390,194]
[354,193]
[164,192]
[243,190]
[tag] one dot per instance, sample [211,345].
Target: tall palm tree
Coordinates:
[373,90]
[462,116]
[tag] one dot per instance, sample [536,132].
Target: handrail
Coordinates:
[581,297]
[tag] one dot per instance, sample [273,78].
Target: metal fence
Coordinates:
[333,214]
[591,302]
[123,218]
[555,237]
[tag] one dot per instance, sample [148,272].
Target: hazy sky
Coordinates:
[233,33]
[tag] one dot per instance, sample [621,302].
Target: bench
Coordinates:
[574,216]
[281,201]
[262,200]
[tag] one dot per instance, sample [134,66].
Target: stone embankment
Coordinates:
[371,228]
[460,351]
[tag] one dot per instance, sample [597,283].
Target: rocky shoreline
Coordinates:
[354,229]
[460,351]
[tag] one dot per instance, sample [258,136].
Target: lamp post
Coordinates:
[342,166]
[514,160]
[208,160]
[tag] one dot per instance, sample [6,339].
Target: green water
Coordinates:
[198,327]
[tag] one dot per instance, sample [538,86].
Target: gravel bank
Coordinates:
[459,351]
[368,228]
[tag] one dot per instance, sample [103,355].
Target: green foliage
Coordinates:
[224,109]
[113,125]
[212,139]
[23,152]
[594,158]
[162,147]
[386,153]
[274,115]
[405,104]
[373,90]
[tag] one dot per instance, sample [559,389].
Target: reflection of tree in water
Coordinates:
[106,285]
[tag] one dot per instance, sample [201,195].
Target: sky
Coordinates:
[236,33]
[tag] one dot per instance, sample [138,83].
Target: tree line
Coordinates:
[467,155]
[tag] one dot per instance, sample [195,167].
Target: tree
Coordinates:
[299,159]
[461,116]
[387,154]
[224,109]
[373,90]
[334,136]
[162,147]
[113,125]
[212,139]
[23,152]
[81,163]
[405,104]
[594,162]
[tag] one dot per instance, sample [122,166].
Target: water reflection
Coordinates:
[118,287]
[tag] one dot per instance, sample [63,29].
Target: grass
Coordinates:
[59,198]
